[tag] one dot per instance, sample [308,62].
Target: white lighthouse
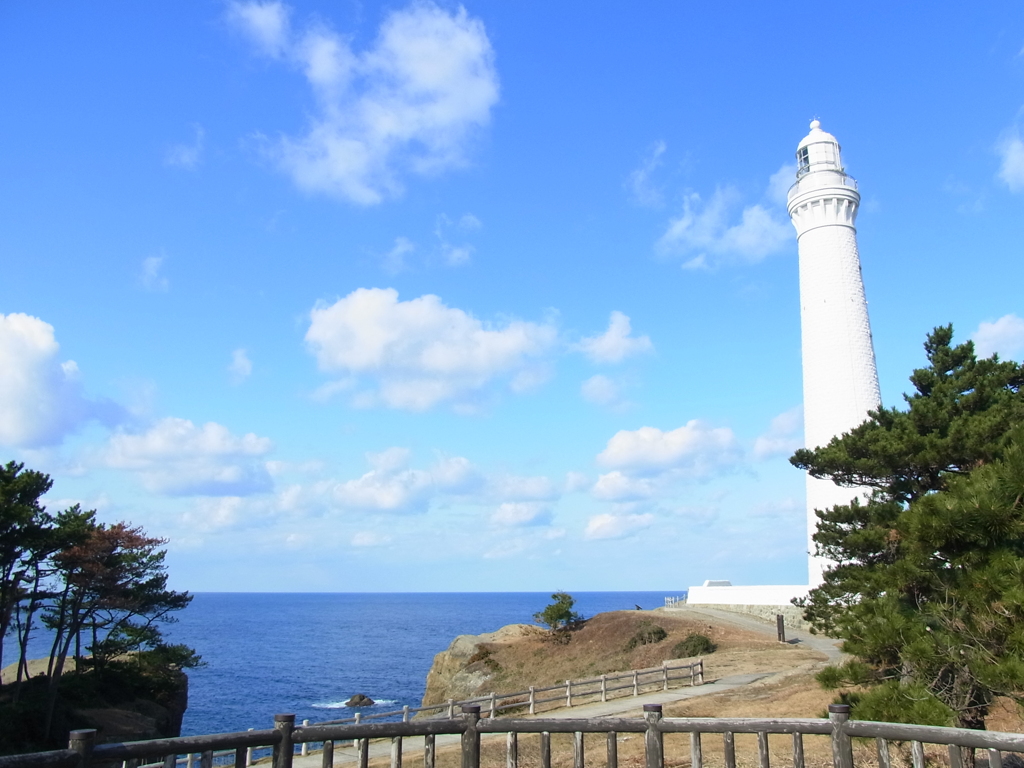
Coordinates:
[840,379]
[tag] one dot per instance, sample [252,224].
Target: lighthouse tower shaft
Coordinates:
[840,378]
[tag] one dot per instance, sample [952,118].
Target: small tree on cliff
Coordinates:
[558,615]
[927,589]
[114,594]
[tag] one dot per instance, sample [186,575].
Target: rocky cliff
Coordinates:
[466,669]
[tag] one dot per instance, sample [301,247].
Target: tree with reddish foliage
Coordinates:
[115,596]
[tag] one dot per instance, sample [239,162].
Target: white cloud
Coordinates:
[455,255]
[507,549]
[779,184]
[639,184]
[1005,336]
[409,103]
[240,367]
[711,232]
[394,261]
[406,491]
[420,352]
[187,156]
[151,278]
[1011,166]
[265,23]
[615,344]
[41,398]
[456,475]
[521,513]
[784,435]
[370,539]
[391,486]
[618,486]
[600,390]
[215,514]
[576,481]
[696,449]
[178,458]
[518,488]
[609,526]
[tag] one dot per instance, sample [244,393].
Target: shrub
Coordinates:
[484,656]
[646,634]
[559,614]
[693,645]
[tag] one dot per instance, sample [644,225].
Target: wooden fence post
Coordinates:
[568,693]
[328,756]
[696,750]
[512,750]
[405,713]
[451,708]
[248,756]
[396,752]
[604,687]
[82,742]
[577,750]
[763,755]
[305,744]
[363,753]
[613,750]
[664,675]
[654,748]
[545,749]
[471,737]
[284,750]
[429,751]
[729,750]
[842,748]
[494,705]
[700,672]
[636,683]
[533,700]
[780,627]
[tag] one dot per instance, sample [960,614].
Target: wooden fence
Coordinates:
[468,728]
[570,693]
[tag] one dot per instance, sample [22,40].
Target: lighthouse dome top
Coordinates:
[818,151]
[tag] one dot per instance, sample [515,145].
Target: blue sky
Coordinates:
[497,296]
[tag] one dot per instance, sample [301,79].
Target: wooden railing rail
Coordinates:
[467,729]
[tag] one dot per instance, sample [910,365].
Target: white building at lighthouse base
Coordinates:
[724,593]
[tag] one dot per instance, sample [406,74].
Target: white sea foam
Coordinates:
[342,705]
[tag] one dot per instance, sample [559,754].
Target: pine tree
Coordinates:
[927,589]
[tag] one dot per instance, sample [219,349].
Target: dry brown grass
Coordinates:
[600,648]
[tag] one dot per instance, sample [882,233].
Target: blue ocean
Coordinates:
[308,653]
